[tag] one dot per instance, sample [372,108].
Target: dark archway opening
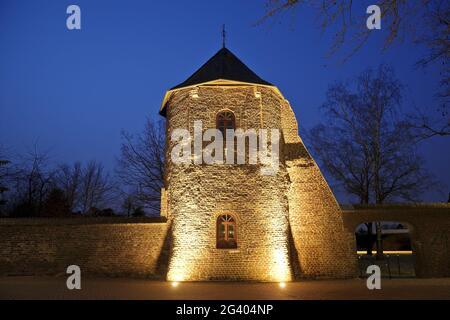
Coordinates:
[388,245]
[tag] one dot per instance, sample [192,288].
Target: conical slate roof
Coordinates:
[223,65]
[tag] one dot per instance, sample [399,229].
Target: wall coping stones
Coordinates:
[434,205]
[80,221]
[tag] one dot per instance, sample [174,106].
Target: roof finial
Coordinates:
[224,35]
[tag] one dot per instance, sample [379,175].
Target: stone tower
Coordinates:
[230,221]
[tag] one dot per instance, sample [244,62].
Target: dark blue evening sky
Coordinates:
[74,91]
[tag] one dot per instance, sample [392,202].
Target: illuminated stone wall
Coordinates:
[289,224]
[429,227]
[100,246]
[198,194]
[324,247]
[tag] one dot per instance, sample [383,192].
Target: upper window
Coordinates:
[226,232]
[225,120]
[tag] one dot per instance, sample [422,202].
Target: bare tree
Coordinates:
[364,143]
[5,175]
[346,159]
[437,39]
[436,36]
[128,205]
[32,181]
[96,188]
[425,126]
[68,179]
[56,204]
[39,189]
[141,165]
[424,22]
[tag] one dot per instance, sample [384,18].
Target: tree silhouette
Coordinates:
[56,204]
[3,182]
[421,22]
[141,166]
[364,144]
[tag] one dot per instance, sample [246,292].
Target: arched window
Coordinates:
[226,232]
[225,120]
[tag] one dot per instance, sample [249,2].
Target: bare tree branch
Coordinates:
[423,22]
[141,165]
[365,145]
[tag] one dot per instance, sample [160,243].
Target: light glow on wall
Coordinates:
[278,226]
[194,93]
[184,253]
[282,271]
[198,194]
